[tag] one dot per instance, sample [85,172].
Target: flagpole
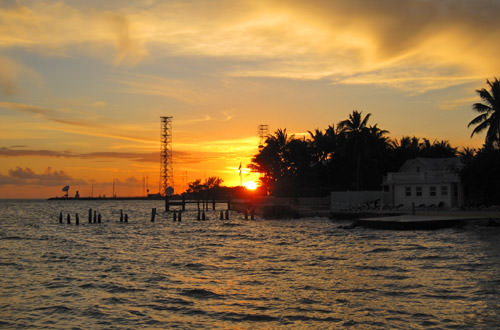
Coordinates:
[241,178]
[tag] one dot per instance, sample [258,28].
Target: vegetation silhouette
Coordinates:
[489,117]
[355,155]
[352,155]
[481,173]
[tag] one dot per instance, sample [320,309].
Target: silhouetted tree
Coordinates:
[351,155]
[197,189]
[481,178]
[467,154]
[354,127]
[272,159]
[489,117]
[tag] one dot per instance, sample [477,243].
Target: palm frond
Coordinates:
[479,107]
[486,96]
[365,120]
[478,119]
[481,127]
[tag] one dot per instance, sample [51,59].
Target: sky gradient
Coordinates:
[83,83]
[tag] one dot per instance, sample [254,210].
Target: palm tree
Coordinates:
[354,127]
[355,124]
[489,117]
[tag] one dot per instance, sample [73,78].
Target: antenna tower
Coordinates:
[166,168]
[263,133]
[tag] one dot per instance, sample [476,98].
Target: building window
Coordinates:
[418,191]
[408,191]
[432,191]
[444,190]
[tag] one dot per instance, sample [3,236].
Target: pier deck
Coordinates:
[410,222]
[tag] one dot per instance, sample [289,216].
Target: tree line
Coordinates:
[351,155]
[355,155]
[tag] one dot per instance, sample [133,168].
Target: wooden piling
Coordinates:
[227,214]
[90,215]
[68,219]
[246,214]
[203,216]
[199,215]
[99,218]
[126,217]
[153,214]
[167,203]
[179,218]
[213,204]
[175,216]
[60,217]
[221,215]
[95,216]
[252,214]
[121,215]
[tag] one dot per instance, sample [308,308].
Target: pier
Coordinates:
[425,222]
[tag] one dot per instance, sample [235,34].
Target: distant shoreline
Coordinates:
[109,198]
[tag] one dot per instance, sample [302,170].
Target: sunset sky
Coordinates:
[83,83]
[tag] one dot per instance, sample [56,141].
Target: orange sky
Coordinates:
[83,84]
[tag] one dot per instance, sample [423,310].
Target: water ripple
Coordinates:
[300,274]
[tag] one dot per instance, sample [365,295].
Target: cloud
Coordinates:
[26,176]
[73,120]
[141,157]
[452,104]
[57,28]
[128,48]
[442,43]
[179,156]
[9,71]
[172,88]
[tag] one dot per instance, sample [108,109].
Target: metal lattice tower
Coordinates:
[263,133]
[166,166]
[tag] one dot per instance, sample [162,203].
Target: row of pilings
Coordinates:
[95,217]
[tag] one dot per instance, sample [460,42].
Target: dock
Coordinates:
[425,222]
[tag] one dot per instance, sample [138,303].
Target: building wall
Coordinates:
[346,200]
[401,198]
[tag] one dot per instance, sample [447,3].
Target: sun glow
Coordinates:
[250,185]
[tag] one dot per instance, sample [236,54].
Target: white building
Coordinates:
[425,182]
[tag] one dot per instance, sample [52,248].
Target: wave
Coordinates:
[200,294]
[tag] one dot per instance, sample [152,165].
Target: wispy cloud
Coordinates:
[159,86]
[452,104]
[359,41]
[71,121]
[203,153]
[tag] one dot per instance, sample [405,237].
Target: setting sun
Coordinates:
[251,185]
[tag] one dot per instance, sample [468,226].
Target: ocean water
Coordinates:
[237,274]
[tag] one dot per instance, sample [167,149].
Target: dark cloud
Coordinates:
[151,157]
[400,25]
[26,176]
